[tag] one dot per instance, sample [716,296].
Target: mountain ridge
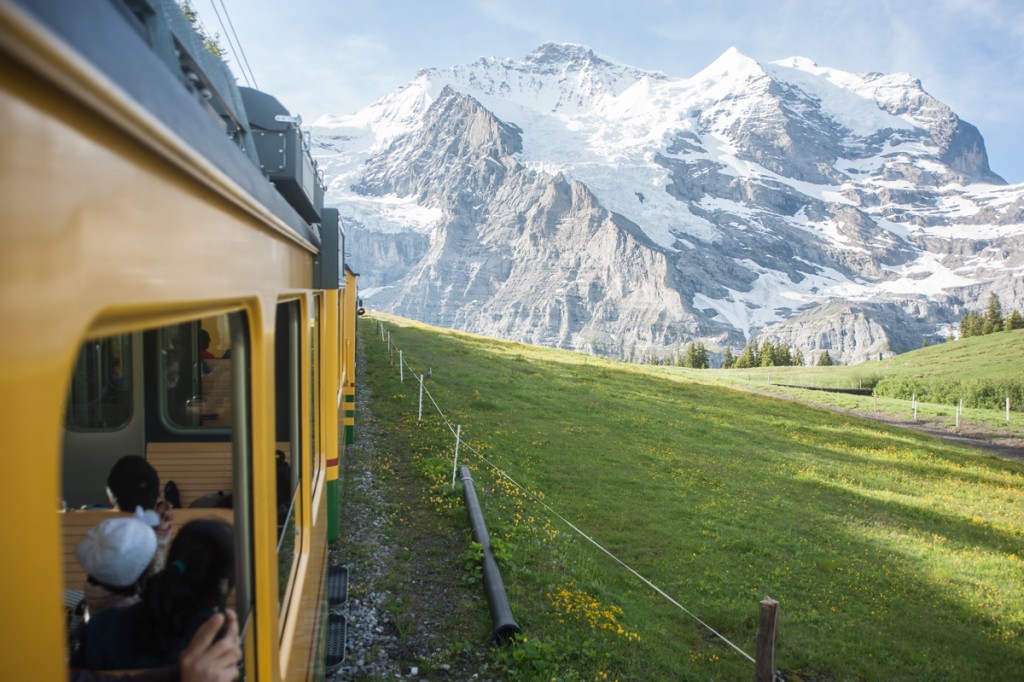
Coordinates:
[778,205]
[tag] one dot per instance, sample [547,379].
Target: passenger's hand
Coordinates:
[164,509]
[208,659]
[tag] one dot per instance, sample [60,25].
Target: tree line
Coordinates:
[990,321]
[754,354]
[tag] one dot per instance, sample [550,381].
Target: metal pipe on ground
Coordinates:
[501,613]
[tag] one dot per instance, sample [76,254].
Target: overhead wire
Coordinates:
[239,42]
[578,530]
[236,52]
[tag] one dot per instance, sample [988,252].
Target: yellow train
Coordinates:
[170,286]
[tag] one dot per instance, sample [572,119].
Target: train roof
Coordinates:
[103,34]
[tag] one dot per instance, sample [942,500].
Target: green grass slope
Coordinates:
[894,556]
[982,371]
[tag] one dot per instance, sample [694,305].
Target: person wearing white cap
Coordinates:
[115,554]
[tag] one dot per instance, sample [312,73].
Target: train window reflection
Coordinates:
[195,369]
[101,386]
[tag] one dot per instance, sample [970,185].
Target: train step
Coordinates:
[337,585]
[336,634]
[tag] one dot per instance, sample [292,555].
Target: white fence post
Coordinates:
[455,466]
[419,417]
[915,406]
[401,369]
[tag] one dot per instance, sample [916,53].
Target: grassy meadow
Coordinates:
[894,555]
[981,371]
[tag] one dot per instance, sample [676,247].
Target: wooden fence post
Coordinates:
[764,665]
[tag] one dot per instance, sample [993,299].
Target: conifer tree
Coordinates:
[747,358]
[700,357]
[727,358]
[993,321]
[825,360]
[1014,321]
[971,324]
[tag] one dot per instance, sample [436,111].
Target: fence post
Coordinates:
[956,411]
[915,407]
[419,416]
[1007,408]
[391,351]
[764,665]
[455,466]
[401,369]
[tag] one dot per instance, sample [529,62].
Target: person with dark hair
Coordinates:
[133,485]
[175,602]
[133,482]
[204,345]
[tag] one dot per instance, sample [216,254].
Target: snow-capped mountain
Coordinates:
[568,200]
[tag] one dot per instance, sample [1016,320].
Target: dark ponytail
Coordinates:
[202,553]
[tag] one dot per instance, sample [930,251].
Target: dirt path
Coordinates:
[402,591]
[971,436]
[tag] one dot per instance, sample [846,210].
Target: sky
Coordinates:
[335,57]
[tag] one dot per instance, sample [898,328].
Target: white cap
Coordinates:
[117,551]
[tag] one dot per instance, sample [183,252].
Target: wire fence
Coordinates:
[456,431]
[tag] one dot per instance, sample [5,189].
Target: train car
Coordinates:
[170,287]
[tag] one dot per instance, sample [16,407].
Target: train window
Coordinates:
[314,385]
[287,362]
[211,470]
[195,369]
[101,387]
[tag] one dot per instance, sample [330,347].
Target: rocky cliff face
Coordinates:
[569,201]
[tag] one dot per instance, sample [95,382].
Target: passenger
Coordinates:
[175,603]
[207,658]
[204,350]
[134,484]
[204,346]
[217,499]
[117,555]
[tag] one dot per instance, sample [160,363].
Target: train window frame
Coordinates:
[149,381]
[288,422]
[241,457]
[316,418]
[188,354]
[102,362]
